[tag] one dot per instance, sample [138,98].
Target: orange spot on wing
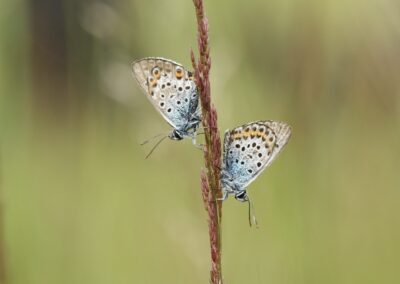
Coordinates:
[156,73]
[179,73]
[152,82]
[249,134]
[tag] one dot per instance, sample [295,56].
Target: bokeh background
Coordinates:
[80,204]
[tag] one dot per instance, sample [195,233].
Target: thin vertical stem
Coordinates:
[210,177]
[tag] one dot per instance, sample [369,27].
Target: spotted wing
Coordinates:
[169,87]
[251,148]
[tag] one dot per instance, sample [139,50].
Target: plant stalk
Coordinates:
[210,176]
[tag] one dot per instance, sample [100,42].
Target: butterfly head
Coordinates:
[175,135]
[241,196]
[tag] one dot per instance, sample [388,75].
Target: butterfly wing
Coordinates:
[169,87]
[251,148]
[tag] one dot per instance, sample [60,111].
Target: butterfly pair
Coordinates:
[248,149]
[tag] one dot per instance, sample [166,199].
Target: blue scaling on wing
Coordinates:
[248,150]
[172,91]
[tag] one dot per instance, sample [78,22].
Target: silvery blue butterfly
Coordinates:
[248,150]
[172,91]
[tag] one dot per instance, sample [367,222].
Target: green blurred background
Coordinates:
[80,204]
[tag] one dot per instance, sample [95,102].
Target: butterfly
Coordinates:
[173,92]
[248,150]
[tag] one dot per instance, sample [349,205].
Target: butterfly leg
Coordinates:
[224,195]
[198,146]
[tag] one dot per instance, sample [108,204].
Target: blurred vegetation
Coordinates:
[81,205]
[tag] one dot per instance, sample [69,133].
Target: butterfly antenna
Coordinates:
[150,139]
[155,146]
[252,214]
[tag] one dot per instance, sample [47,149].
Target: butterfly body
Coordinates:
[172,91]
[248,150]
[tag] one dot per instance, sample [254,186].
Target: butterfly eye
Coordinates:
[241,196]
